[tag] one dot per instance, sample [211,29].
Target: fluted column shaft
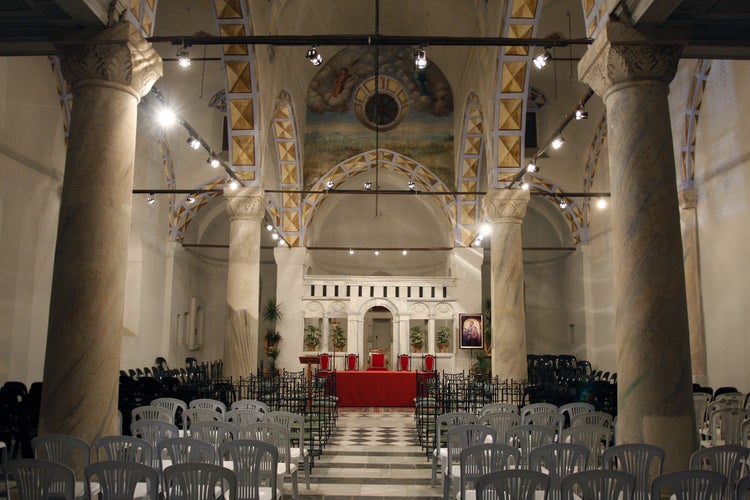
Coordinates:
[688,199]
[504,210]
[655,403]
[82,358]
[246,207]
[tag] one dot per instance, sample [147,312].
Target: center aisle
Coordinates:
[372,453]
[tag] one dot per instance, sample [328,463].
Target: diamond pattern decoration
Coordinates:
[519,31]
[509,151]
[514,76]
[243,150]
[238,76]
[241,114]
[524,9]
[235,49]
[471,167]
[284,129]
[228,9]
[511,114]
[291,200]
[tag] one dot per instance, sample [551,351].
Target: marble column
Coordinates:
[82,360]
[246,207]
[655,404]
[688,199]
[504,210]
[430,347]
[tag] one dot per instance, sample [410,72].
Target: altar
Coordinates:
[376,388]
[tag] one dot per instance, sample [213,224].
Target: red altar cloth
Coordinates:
[376,388]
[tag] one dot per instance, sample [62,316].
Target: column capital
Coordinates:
[123,58]
[688,198]
[505,205]
[246,203]
[621,53]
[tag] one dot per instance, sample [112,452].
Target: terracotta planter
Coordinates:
[417,349]
[442,347]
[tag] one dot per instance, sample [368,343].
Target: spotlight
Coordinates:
[183,57]
[368,185]
[190,199]
[166,117]
[484,230]
[269,227]
[420,59]
[281,243]
[540,61]
[563,203]
[558,142]
[532,167]
[524,186]
[581,114]
[151,200]
[193,142]
[314,57]
[477,242]
[411,185]
[351,252]
[329,184]
[275,235]
[233,184]
[213,162]
[404,252]
[601,203]
[377,252]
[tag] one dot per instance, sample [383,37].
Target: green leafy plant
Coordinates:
[482,363]
[339,337]
[312,337]
[272,311]
[416,336]
[272,337]
[443,337]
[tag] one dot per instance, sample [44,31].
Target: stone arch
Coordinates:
[692,110]
[521,20]
[468,174]
[284,130]
[423,178]
[378,302]
[592,164]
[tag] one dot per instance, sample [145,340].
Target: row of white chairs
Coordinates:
[167,409]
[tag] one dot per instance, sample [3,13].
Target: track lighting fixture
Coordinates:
[213,162]
[478,242]
[281,243]
[275,235]
[151,200]
[404,252]
[581,114]
[193,142]
[484,230]
[329,184]
[233,184]
[420,58]
[314,56]
[411,185]
[563,203]
[368,185]
[190,199]
[524,186]
[557,142]
[166,117]
[601,203]
[269,227]
[377,252]
[533,168]
[540,61]
[183,57]
[351,251]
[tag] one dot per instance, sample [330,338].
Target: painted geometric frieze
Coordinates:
[289,171]
[470,161]
[520,20]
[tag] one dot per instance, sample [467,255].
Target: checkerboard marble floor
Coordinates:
[372,454]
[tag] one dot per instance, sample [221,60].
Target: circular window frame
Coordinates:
[384,85]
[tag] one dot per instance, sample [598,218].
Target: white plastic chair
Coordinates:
[296,425]
[599,484]
[193,415]
[644,461]
[728,460]
[501,421]
[690,485]
[65,450]
[151,413]
[250,404]
[594,437]
[480,459]
[443,423]
[154,431]
[254,464]
[518,484]
[725,426]
[570,410]
[173,405]
[593,418]
[538,408]
[460,438]
[554,421]
[528,437]
[558,460]
[242,417]
[280,437]
[209,404]
[123,449]
[123,480]
[197,481]
[498,407]
[41,479]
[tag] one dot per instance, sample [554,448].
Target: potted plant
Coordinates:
[312,337]
[272,340]
[443,338]
[416,338]
[482,364]
[339,337]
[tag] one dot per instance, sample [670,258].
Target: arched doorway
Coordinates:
[378,331]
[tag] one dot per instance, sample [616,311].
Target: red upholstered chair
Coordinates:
[428,363]
[377,361]
[352,362]
[404,361]
[325,361]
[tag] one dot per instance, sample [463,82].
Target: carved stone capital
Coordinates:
[688,198]
[246,203]
[123,58]
[505,205]
[621,54]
